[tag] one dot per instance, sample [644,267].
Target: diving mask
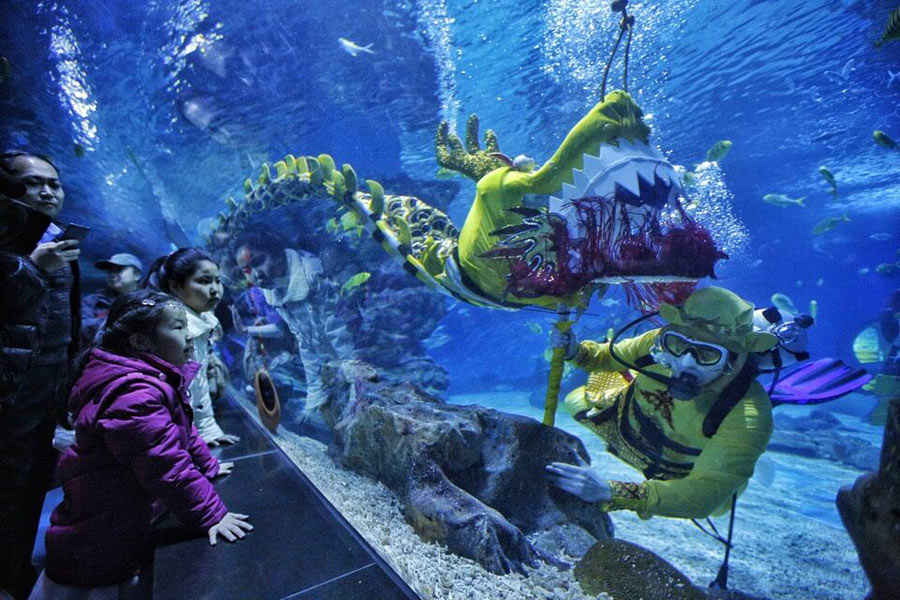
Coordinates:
[705,354]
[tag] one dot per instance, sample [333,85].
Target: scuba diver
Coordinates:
[681,403]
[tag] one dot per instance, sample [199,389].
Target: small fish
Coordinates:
[813,309]
[79,150]
[783,200]
[355,281]
[523,163]
[882,139]
[826,174]
[892,76]
[867,346]
[828,224]
[436,340]
[892,30]
[880,237]
[756,263]
[820,282]
[718,151]
[609,302]
[887,269]
[843,75]
[863,271]
[352,48]
[827,135]
[689,179]
[534,327]
[5,69]
[784,303]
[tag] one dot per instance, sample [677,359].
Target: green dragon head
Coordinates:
[602,209]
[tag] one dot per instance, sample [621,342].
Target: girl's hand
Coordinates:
[225,469]
[232,527]
[225,438]
[582,481]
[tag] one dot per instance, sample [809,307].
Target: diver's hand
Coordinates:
[231,527]
[225,438]
[225,468]
[583,482]
[568,341]
[53,256]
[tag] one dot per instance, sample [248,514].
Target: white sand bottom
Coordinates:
[788,542]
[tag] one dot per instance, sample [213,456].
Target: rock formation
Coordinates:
[468,477]
[870,510]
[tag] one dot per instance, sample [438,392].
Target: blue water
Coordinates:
[176,102]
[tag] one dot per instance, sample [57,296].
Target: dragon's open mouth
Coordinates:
[631,183]
[618,219]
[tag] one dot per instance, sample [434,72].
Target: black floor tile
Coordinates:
[364,584]
[297,542]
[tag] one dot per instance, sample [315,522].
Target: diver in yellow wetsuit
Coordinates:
[680,403]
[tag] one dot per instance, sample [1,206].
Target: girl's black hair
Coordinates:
[174,269]
[139,311]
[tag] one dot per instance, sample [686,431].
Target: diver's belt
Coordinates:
[647,441]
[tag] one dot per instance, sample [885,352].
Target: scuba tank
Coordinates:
[792,339]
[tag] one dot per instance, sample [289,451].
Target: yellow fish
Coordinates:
[892,31]
[826,174]
[828,224]
[882,139]
[718,151]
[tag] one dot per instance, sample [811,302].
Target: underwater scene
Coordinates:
[455,299]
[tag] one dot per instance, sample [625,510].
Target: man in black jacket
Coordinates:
[39,334]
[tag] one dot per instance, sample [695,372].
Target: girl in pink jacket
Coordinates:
[136,454]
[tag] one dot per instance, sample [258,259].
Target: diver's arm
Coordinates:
[723,468]
[595,356]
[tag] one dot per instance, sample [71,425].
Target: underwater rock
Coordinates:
[468,477]
[870,510]
[822,435]
[624,570]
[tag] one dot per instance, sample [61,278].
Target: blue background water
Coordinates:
[176,102]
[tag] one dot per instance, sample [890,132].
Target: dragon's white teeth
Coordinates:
[569,192]
[628,178]
[592,165]
[555,205]
[580,179]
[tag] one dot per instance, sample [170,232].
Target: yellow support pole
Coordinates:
[557,363]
